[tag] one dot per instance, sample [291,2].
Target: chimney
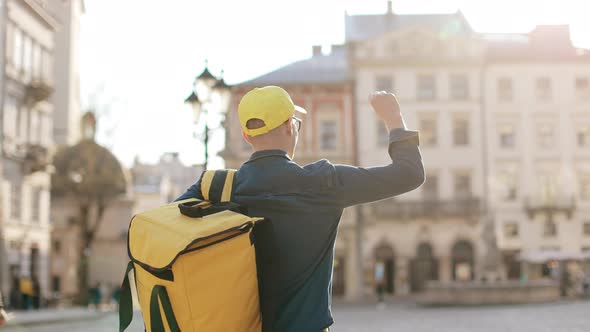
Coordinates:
[316,50]
[389,7]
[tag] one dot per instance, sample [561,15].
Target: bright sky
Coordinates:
[139,58]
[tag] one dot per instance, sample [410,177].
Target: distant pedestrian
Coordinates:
[26,290]
[36,297]
[380,280]
[15,296]
[585,285]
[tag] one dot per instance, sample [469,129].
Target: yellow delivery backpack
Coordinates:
[194,264]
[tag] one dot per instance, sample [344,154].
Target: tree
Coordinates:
[91,176]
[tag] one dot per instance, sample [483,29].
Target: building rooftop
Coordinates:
[319,69]
[363,27]
[545,43]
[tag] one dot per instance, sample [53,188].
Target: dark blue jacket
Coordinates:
[304,204]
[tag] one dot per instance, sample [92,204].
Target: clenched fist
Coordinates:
[387,109]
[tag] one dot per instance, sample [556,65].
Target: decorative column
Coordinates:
[402,276]
[445,272]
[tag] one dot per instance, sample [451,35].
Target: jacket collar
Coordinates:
[268,153]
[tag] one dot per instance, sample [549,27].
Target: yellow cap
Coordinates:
[271,104]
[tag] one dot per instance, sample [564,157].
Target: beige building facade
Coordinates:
[537,101]
[34,36]
[432,233]
[504,134]
[27,118]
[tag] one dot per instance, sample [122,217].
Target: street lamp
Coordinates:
[209,94]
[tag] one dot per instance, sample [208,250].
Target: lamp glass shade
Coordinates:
[204,87]
[222,94]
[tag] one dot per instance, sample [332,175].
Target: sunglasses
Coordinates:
[298,122]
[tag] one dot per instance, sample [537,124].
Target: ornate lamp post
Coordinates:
[209,94]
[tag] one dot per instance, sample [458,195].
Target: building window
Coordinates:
[36,59]
[585,187]
[9,42]
[14,245]
[505,89]
[586,228]
[507,136]
[15,200]
[543,88]
[547,185]
[428,131]
[459,87]
[17,55]
[583,136]
[36,204]
[462,184]
[27,57]
[382,134]
[460,131]
[10,118]
[47,65]
[56,284]
[545,135]
[426,87]
[511,230]
[56,246]
[329,135]
[583,88]
[549,229]
[45,130]
[384,83]
[509,186]
[430,188]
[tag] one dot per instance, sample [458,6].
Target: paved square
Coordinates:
[406,317]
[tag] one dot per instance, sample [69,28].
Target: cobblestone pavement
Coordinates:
[554,317]
[407,317]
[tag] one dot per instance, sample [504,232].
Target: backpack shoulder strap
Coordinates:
[216,186]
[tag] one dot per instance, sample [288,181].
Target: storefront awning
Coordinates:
[543,256]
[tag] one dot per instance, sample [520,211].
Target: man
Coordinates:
[305,203]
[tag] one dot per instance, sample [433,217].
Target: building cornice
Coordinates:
[42,13]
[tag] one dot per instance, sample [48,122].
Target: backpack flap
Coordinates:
[157,237]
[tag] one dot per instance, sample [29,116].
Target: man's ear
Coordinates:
[289,124]
[246,137]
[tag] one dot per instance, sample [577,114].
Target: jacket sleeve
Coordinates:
[193,191]
[357,185]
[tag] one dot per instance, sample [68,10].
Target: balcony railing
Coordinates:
[432,209]
[550,206]
[37,91]
[36,158]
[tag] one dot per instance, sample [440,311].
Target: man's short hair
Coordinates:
[255,124]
